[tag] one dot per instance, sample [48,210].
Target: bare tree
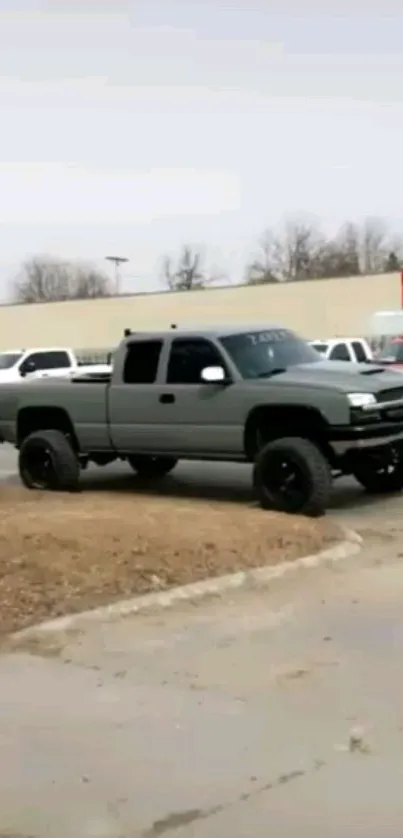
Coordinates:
[266,267]
[300,251]
[290,255]
[339,257]
[374,245]
[189,272]
[348,245]
[46,279]
[367,249]
[393,262]
[92,283]
[302,244]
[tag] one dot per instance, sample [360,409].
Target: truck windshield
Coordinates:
[392,352]
[262,353]
[320,347]
[9,359]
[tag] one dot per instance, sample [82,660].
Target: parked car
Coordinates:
[42,362]
[356,350]
[262,396]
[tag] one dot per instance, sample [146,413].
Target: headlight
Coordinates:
[361,399]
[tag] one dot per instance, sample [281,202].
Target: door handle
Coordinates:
[167,398]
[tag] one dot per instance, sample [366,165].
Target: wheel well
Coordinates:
[267,423]
[32,419]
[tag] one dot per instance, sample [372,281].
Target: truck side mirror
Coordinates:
[213,375]
[27,367]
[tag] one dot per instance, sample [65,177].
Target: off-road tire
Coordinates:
[64,474]
[376,481]
[312,470]
[151,468]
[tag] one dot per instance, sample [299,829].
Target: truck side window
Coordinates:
[359,351]
[141,363]
[340,353]
[188,357]
[45,361]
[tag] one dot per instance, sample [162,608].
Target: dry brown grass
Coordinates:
[67,553]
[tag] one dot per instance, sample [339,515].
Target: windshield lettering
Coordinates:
[268,337]
[266,352]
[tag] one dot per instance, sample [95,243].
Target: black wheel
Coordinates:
[47,461]
[379,476]
[152,467]
[292,475]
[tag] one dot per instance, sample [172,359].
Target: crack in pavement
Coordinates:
[175,820]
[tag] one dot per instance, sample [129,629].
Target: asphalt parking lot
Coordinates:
[270,711]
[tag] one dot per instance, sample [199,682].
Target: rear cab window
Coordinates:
[142,361]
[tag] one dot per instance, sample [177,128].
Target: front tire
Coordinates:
[47,462]
[379,478]
[292,475]
[151,467]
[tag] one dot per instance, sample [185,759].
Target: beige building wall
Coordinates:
[321,308]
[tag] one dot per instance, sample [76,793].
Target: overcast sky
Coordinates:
[132,126]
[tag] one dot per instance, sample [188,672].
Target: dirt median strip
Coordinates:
[63,554]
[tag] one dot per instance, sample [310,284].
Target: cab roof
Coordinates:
[206,331]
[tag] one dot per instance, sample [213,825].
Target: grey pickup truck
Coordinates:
[254,395]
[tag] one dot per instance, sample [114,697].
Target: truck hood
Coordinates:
[10,375]
[340,375]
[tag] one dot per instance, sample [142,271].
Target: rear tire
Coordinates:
[292,475]
[377,478]
[47,462]
[151,467]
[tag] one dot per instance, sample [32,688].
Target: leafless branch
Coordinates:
[45,279]
[188,273]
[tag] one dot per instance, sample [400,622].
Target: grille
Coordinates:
[390,395]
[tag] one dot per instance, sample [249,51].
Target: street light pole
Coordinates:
[117,261]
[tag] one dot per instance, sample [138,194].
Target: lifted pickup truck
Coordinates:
[257,395]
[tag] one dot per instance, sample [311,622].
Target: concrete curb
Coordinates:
[160,600]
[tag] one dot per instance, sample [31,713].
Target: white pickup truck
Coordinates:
[356,350]
[43,362]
